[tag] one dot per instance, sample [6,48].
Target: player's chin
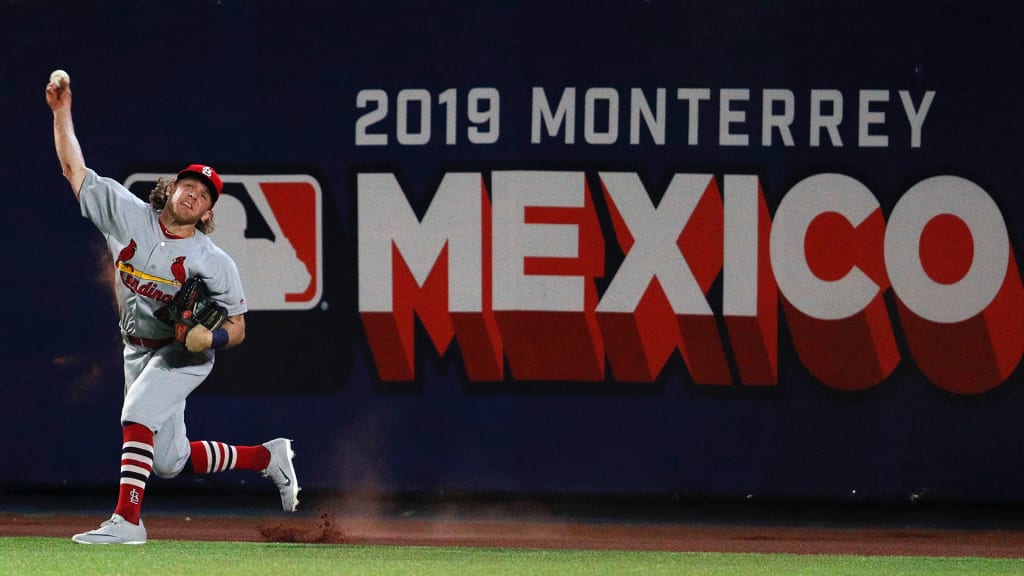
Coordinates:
[191,216]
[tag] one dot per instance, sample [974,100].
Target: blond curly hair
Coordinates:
[162,192]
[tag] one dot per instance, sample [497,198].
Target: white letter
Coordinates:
[820,120]
[655,253]
[638,106]
[867,118]
[771,120]
[916,119]
[809,198]
[727,115]
[590,133]
[693,96]
[739,271]
[386,220]
[965,298]
[566,113]
[515,240]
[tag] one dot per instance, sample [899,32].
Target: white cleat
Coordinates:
[117,530]
[282,472]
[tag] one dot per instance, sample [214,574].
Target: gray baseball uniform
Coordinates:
[150,265]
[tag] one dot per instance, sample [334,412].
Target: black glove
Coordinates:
[192,306]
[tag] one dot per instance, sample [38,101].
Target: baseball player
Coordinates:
[163,255]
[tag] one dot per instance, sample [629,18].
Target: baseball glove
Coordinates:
[191,307]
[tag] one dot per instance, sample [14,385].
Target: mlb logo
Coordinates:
[271,226]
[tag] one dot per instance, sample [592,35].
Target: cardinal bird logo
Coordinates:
[127,253]
[178,269]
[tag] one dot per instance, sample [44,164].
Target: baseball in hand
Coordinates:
[59,78]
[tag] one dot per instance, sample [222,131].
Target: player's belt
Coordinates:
[147,342]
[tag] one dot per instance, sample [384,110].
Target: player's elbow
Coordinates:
[236,330]
[75,175]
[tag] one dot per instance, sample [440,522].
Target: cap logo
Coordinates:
[207,171]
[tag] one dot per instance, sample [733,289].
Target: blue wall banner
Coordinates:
[642,247]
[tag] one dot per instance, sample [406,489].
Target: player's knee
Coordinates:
[167,469]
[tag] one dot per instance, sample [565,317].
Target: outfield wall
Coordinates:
[738,249]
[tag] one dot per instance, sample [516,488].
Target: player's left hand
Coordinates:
[199,338]
[193,315]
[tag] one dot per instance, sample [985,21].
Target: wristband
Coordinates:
[220,338]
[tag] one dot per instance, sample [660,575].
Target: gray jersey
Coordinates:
[150,263]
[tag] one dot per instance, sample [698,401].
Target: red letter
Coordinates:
[826,246]
[656,301]
[547,251]
[750,296]
[957,284]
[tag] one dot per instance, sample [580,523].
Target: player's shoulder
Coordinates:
[94,178]
[107,202]
[95,184]
[210,247]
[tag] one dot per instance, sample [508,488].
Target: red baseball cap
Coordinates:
[208,176]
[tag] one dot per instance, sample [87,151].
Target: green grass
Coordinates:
[52,556]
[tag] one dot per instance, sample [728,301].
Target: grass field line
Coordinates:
[34,556]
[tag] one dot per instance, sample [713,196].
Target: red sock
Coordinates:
[136,466]
[209,457]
